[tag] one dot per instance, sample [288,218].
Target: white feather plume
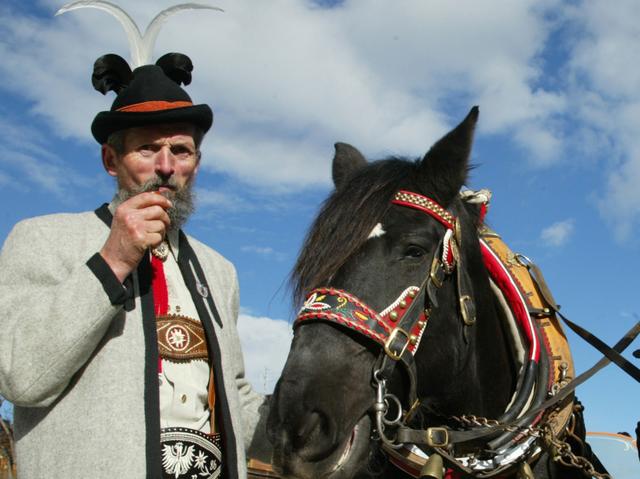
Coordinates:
[141,45]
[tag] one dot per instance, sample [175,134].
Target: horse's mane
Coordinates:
[345,220]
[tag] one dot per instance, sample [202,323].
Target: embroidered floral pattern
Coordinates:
[190,454]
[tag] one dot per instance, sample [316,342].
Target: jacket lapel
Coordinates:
[151,386]
[203,299]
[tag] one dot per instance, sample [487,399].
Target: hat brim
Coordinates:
[107,122]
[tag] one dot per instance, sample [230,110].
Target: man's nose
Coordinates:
[165,162]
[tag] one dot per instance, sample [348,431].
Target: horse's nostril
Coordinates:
[314,438]
[309,427]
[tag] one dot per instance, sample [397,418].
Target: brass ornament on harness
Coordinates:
[524,471]
[467,317]
[437,273]
[390,342]
[432,469]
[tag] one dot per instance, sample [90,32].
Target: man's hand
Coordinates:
[138,224]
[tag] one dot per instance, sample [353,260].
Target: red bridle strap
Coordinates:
[426,205]
[413,200]
[338,306]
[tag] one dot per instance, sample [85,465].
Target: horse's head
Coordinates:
[366,244]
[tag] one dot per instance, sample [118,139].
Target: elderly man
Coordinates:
[119,345]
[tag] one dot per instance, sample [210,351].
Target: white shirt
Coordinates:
[183,385]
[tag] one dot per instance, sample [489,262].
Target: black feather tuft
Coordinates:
[111,72]
[176,66]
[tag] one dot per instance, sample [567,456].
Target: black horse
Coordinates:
[322,422]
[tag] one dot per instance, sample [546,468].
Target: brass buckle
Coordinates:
[435,264]
[463,309]
[387,344]
[434,433]
[457,231]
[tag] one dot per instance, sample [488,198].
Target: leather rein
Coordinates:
[399,328]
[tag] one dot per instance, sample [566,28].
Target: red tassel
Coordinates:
[159,285]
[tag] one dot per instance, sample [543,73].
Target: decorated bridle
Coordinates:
[539,409]
[398,330]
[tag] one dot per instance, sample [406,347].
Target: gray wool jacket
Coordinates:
[78,353]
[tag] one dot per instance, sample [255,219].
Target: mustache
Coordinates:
[154,184]
[182,197]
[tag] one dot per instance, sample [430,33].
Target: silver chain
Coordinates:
[561,452]
[381,409]
[559,449]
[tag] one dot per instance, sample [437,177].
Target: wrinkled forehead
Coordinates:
[174,132]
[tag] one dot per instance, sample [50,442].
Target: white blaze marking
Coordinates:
[377,231]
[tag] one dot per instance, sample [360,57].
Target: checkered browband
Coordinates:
[427,205]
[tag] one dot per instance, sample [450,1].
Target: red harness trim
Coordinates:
[338,306]
[426,205]
[496,268]
[507,284]
[418,202]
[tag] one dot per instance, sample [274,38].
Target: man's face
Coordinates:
[167,153]
[156,158]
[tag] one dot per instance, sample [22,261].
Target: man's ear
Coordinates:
[198,157]
[109,159]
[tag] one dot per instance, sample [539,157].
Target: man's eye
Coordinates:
[182,152]
[146,150]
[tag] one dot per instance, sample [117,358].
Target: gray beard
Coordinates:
[183,199]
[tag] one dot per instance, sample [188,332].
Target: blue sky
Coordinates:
[556,82]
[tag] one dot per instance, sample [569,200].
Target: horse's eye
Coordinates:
[414,251]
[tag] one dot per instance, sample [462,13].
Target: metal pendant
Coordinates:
[202,289]
[161,251]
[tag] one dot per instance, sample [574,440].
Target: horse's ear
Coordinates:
[444,168]
[346,161]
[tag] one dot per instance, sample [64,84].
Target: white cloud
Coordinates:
[50,175]
[28,162]
[209,199]
[287,79]
[621,204]
[608,46]
[606,100]
[265,344]
[558,233]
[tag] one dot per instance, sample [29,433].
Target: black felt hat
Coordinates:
[149,95]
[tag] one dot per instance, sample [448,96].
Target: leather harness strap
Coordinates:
[613,354]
